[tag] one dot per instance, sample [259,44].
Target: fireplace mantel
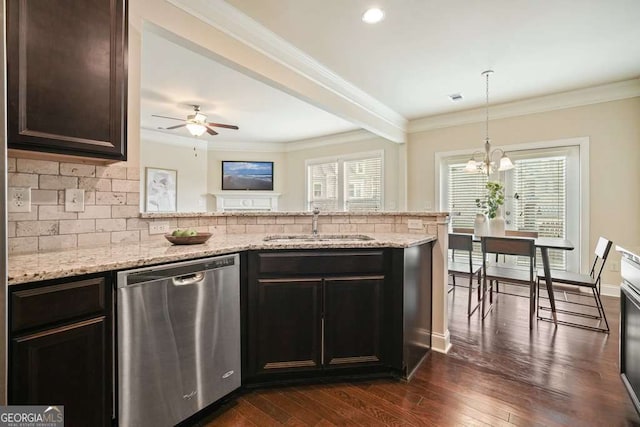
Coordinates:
[246,201]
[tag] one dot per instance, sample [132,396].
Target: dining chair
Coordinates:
[465,268]
[571,284]
[499,272]
[515,233]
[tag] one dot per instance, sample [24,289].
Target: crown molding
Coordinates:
[243,28]
[557,101]
[323,141]
[156,136]
[255,147]
[153,135]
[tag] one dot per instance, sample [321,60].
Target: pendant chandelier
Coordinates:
[487,165]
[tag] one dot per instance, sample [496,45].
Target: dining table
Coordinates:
[544,244]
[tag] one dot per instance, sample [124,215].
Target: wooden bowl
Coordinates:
[188,240]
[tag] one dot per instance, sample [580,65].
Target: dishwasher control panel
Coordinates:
[221,262]
[146,274]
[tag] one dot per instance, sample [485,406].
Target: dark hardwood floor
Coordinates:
[497,373]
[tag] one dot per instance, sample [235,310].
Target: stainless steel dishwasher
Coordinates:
[178,339]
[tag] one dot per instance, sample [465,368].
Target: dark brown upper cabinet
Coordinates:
[67,77]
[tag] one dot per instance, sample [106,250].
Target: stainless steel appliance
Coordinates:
[178,339]
[630,324]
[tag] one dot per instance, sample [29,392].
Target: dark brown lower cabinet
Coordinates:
[288,324]
[60,348]
[310,313]
[63,366]
[353,321]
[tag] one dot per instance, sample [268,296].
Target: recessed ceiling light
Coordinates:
[455,97]
[373,15]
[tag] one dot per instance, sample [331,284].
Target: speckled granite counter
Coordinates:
[50,265]
[163,215]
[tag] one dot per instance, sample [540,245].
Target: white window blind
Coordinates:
[464,189]
[350,183]
[540,186]
[363,180]
[538,198]
[323,179]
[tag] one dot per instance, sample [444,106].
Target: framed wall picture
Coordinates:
[238,175]
[161,193]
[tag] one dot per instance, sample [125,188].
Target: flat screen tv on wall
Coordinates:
[238,175]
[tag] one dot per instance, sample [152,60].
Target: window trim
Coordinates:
[442,158]
[340,159]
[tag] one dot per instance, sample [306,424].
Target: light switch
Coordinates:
[74,200]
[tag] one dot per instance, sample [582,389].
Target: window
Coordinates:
[541,194]
[350,183]
[539,200]
[324,176]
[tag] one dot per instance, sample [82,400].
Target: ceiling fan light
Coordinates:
[199,117]
[196,129]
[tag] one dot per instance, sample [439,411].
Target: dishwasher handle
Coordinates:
[189,279]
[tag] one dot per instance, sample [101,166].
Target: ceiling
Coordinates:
[174,78]
[422,52]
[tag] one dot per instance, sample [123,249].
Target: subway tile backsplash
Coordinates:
[111,197]
[111,212]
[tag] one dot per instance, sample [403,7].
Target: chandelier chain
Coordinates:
[486,165]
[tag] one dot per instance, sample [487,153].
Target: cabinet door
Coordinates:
[66,77]
[354,321]
[64,366]
[285,325]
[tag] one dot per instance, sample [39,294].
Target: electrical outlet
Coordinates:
[74,200]
[415,224]
[160,227]
[19,199]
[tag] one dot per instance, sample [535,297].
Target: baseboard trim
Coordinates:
[610,290]
[441,342]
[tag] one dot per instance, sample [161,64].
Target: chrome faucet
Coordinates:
[314,221]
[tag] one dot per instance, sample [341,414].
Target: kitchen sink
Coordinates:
[316,237]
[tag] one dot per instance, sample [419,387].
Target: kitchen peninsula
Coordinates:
[309,308]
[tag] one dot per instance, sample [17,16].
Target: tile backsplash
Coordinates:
[111,198]
[112,203]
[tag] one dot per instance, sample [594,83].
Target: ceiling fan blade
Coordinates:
[222,125]
[176,126]
[165,117]
[211,131]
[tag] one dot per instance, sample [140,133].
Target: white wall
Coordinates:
[203,175]
[613,129]
[394,171]
[191,166]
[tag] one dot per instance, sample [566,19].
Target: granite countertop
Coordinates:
[151,215]
[33,267]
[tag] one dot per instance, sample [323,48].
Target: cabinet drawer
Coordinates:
[318,262]
[36,307]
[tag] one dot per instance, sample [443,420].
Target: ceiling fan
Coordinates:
[196,123]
